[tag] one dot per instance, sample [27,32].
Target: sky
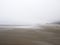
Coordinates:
[29,11]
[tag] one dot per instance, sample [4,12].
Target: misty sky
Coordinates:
[29,11]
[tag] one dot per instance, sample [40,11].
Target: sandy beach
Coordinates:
[49,35]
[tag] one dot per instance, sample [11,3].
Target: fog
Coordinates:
[29,11]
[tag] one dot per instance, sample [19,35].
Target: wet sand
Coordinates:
[49,35]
